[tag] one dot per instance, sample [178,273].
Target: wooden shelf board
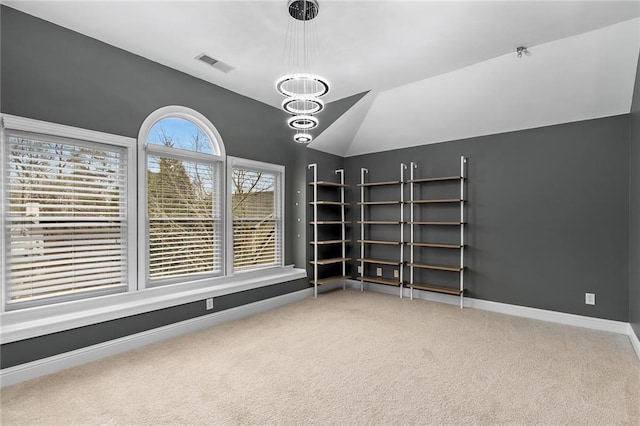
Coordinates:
[436,245]
[330,261]
[379,203]
[328,242]
[390,243]
[380,261]
[379,280]
[435,179]
[437,223]
[437,288]
[379,222]
[328,203]
[391,182]
[327,183]
[329,280]
[436,267]
[441,201]
[328,222]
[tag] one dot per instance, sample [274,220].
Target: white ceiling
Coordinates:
[582,77]
[437,70]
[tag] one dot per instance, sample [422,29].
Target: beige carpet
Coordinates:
[350,358]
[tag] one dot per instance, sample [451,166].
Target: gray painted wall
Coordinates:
[547,212]
[299,177]
[334,110]
[634,209]
[53,74]
[327,164]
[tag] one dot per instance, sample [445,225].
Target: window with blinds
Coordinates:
[65,218]
[257,222]
[77,223]
[184,208]
[184,201]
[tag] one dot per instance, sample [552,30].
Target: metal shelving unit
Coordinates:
[316,242]
[413,244]
[366,224]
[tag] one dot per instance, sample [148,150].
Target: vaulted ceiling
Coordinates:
[425,71]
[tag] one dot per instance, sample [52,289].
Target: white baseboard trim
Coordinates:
[406,292]
[330,287]
[618,327]
[551,316]
[634,340]
[31,370]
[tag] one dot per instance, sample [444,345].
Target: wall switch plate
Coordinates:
[379,272]
[209,304]
[590,298]
[396,273]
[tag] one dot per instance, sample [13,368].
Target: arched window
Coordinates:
[181,161]
[180,133]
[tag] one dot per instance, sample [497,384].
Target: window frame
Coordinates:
[29,322]
[236,162]
[144,150]
[73,134]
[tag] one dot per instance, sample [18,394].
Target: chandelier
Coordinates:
[302,86]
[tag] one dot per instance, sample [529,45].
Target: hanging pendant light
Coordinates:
[303,105]
[303,122]
[302,137]
[301,85]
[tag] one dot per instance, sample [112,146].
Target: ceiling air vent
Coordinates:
[219,65]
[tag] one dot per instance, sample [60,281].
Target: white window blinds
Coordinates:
[65,217]
[184,207]
[257,221]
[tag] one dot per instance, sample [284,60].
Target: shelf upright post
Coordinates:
[463,162]
[413,166]
[363,171]
[343,234]
[315,228]
[403,167]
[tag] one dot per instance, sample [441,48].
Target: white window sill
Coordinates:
[38,321]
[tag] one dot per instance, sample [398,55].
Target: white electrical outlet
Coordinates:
[209,304]
[590,298]
[396,273]
[379,272]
